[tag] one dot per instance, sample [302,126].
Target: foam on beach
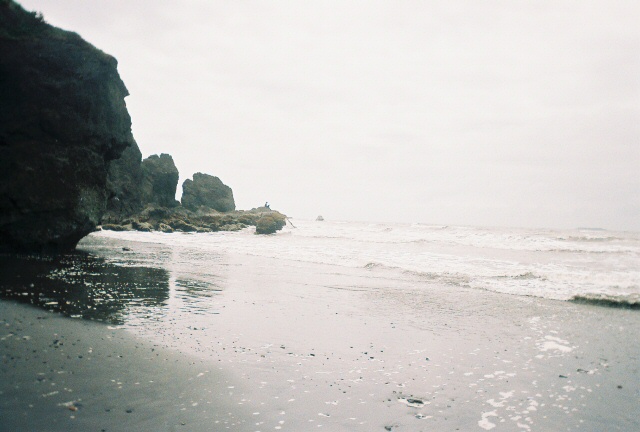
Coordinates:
[560,265]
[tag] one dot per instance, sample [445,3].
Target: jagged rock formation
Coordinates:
[207,191]
[159,181]
[207,203]
[62,120]
[135,184]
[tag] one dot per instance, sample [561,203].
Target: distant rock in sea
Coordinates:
[63,119]
[320,218]
[207,191]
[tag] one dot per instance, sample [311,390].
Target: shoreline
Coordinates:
[339,349]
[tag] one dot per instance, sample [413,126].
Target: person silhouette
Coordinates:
[267,205]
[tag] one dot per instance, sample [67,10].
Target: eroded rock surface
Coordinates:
[62,120]
[159,181]
[124,181]
[207,191]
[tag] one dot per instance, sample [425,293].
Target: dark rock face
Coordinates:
[207,191]
[123,182]
[134,184]
[62,120]
[159,181]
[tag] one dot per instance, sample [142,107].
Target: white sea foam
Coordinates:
[543,263]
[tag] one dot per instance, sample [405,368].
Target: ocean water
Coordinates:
[581,264]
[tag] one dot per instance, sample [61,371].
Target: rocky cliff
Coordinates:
[134,184]
[123,184]
[62,120]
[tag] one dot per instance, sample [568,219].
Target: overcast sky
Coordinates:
[503,113]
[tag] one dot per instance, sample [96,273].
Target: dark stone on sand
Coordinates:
[62,120]
[207,191]
[178,224]
[142,226]
[164,228]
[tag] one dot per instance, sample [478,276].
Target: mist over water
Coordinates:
[541,263]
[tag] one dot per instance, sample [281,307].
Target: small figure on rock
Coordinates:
[267,205]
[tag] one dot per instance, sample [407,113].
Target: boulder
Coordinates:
[207,191]
[62,120]
[159,181]
[320,219]
[164,228]
[270,223]
[179,224]
[142,226]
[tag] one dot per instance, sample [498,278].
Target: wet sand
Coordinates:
[284,345]
[62,374]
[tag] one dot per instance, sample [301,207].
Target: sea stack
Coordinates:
[207,191]
[159,181]
[62,120]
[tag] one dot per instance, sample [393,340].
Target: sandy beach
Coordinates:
[238,342]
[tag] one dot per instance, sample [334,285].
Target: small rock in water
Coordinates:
[412,402]
[126,249]
[562,376]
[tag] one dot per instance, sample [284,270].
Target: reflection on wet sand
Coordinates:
[115,284]
[82,285]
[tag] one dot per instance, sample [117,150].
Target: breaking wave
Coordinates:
[630,301]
